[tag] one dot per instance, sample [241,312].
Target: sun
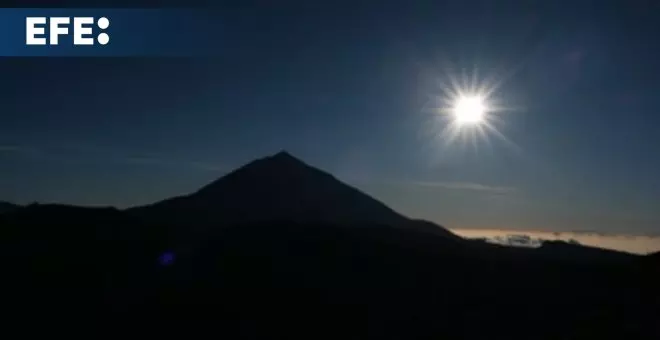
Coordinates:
[469,110]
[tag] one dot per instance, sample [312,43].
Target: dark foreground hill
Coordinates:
[312,280]
[131,271]
[7,207]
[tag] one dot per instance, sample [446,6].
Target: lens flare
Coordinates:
[467,110]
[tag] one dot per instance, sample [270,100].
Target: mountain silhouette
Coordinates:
[7,207]
[280,247]
[279,188]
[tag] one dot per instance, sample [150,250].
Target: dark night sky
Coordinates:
[345,88]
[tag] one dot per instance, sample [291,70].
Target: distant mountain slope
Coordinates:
[311,277]
[279,187]
[575,251]
[6,207]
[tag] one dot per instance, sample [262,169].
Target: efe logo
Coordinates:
[82,29]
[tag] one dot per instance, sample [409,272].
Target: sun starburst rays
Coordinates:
[466,111]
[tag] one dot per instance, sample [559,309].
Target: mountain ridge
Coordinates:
[7,207]
[410,278]
[279,187]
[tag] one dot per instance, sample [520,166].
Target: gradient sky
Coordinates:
[348,88]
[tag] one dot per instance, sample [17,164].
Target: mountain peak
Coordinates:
[279,164]
[283,157]
[277,188]
[283,154]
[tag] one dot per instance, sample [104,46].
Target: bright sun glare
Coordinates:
[469,110]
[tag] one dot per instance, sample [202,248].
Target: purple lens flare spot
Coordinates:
[166,259]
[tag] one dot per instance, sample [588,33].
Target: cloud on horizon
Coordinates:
[638,244]
[68,153]
[466,186]
[17,149]
[9,148]
[168,162]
